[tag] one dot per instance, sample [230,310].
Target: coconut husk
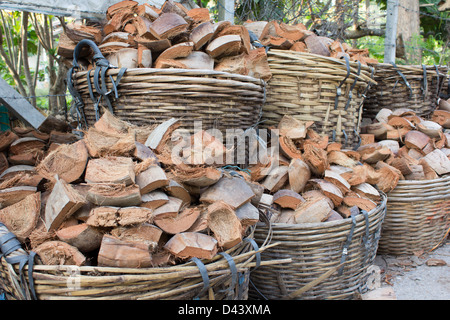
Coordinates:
[101,144]
[21,218]
[68,161]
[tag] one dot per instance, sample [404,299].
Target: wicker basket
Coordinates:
[329,259]
[413,87]
[315,88]
[218,278]
[417,216]
[220,100]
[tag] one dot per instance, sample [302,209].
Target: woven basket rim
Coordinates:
[421,190]
[330,224]
[323,60]
[443,178]
[411,67]
[177,72]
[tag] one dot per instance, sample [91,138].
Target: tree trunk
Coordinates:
[408,30]
[26,67]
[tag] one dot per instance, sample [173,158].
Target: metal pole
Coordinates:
[391,31]
[226,10]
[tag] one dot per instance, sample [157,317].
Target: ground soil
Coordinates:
[413,278]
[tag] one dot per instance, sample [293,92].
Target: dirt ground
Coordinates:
[424,276]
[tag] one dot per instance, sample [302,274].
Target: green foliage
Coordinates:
[375,46]
[11,28]
[432,21]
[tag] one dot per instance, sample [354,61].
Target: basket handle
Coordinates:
[98,57]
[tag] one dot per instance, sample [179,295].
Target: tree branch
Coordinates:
[360,32]
[12,69]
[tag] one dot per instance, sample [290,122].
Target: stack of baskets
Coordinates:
[405,86]
[330,260]
[417,218]
[311,87]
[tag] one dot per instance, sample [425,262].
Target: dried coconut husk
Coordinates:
[13,195]
[315,139]
[68,161]
[40,235]
[146,233]
[328,189]
[289,148]
[384,178]
[21,218]
[114,194]
[199,176]
[110,170]
[316,158]
[260,170]
[21,179]
[100,144]
[59,253]
[182,222]
[293,128]
[4,165]
[7,138]
[356,176]
[144,165]
[110,124]
[225,225]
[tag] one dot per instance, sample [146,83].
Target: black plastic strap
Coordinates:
[364,95]
[347,245]
[359,139]
[350,94]
[404,80]
[424,82]
[9,244]
[366,235]
[31,257]
[102,66]
[95,100]
[234,273]
[338,89]
[345,137]
[255,41]
[256,248]
[116,83]
[203,273]
[437,76]
[98,57]
[79,105]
